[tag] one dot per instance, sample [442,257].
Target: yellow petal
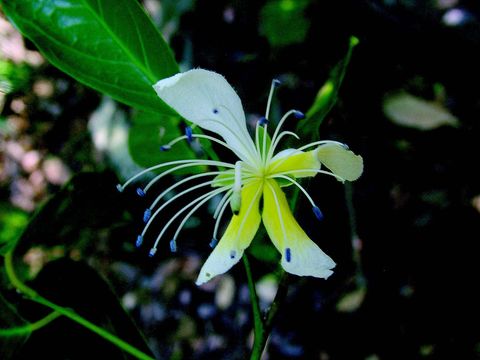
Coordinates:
[238,236]
[340,161]
[291,161]
[300,255]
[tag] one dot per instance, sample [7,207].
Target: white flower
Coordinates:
[206,99]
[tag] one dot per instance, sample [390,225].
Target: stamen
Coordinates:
[323,142]
[288,255]
[188,133]
[218,219]
[213,243]
[274,144]
[181,182]
[299,115]
[196,204]
[299,186]
[233,253]
[221,204]
[139,241]
[263,121]
[152,252]
[140,192]
[193,162]
[165,147]
[236,200]
[169,171]
[146,215]
[173,245]
[274,84]
[119,188]
[164,205]
[308,171]
[277,130]
[318,213]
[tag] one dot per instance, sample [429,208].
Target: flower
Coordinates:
[207,100]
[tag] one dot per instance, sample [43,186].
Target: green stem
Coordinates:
[33,295]
[258,329]
[27,329]
[263,326]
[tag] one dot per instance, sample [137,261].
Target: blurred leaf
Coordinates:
[150,131]
[110,128]
[283,21]
[10,345]
[351,301]
[12,223]
[13,77]
[110,45]
[326,97]
[410,111]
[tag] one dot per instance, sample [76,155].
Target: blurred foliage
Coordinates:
[13,77]
[283,22]
[12,223]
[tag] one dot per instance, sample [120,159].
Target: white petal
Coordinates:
[207,99]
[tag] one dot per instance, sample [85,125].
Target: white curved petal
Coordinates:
[300,255]
[207,99]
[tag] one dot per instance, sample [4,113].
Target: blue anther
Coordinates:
[288,254]
[139,241]
[188,133]
[215,111]
[147,214]
[140,192]
[173,245]
[232,254]
[263,121]
[276,82]
[299,115]
[165,147]
[213,243]
[318,213]
[152,252]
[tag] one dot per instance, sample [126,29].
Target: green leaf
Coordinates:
[109,45]
[283,22]
[149,132]
[326,96]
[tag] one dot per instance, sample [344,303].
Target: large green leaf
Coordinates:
[149,132]
[110,45]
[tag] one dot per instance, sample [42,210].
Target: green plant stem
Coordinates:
[263,326]
[258,329]
[27,329]
[34,296]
